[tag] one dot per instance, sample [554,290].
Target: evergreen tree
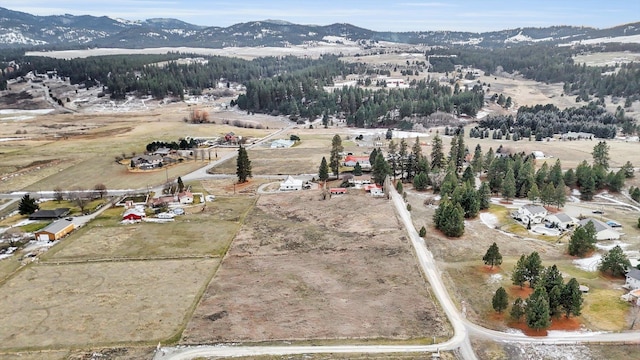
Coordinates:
[243,163]
[180,184]
[372,156]
[420,181]
[393,158]
[423,232]
[461,153]
[488,159]
[449,184]
[570,178]
[534,193]
[336,151]
[449,218]
[484,196]
[380,169]
[601,155]
[533,269]
[548,194]
[541,175]
[615,262]
[628,170]
[492,256]
[509,185]
[517,309]
[559,196]
[399,187]
[555,174]
[357,170]
[555,300]
[588,188]
[518,276]
[582,240]
[477,161]
[616,182]
[571,298]
[28,205]
[468,199]
[323,171]
[402,157]
[500,300]
[468,176]
[437,154]
[537,310]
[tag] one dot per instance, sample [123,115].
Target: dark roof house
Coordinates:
[49,214]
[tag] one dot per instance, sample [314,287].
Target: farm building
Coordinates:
[133,214]
[535,213]
[55,231]
[49,214]
[603,231]
[291,184]
[561,220]
[337,191]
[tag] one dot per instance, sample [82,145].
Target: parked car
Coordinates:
[600,212]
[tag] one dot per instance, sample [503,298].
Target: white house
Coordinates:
[535,213]
[562,220]
[185,197]
[603,231]
[633,279]
[291,184]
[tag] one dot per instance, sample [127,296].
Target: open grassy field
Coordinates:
[99,303]
[79,150]
[83,291]
[306,269]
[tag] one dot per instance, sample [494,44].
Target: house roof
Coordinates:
[133,212]
[291,181]
[359,159]
[534,209]
[563,217]
[57,226]
[49,214]
[634,273]
[599,225]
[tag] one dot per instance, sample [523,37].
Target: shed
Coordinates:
[603,231]
[55,231]
[337,191]
[562,220]
[291,184]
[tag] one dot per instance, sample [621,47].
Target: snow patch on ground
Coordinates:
[494,279]
[610,245]
[489,219]
[588,264]
[548,352]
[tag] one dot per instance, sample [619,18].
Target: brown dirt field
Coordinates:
[302,268]
[73,305]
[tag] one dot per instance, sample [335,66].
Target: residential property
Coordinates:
[351,160]
[533,213]
[560,221]
[145,162]
[49,214]
[633,279]
[134,214]
[185,197]
[291,184]
[163,151]
[55,231]
[603,231]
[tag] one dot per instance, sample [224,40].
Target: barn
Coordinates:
[55,231]
[133,214]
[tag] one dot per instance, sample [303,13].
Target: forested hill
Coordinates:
[18,29]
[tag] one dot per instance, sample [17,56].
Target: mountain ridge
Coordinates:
[19,29]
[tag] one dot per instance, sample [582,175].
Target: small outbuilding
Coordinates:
[338,191]
[632,279]
[55,231]
[185,197]
[291,184]
[560,220]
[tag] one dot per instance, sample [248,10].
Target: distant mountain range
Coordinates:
[18,29]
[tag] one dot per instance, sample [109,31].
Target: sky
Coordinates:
[380,15]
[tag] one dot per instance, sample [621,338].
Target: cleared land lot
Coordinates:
[99,303]
[305,269]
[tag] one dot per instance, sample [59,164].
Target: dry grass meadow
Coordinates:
[306,269]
